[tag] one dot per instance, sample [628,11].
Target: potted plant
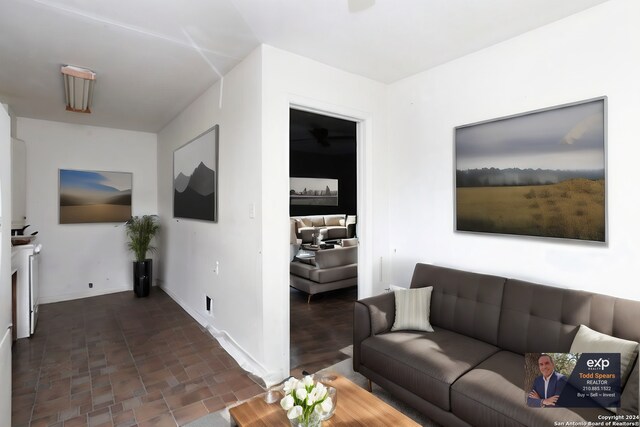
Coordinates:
[141,230]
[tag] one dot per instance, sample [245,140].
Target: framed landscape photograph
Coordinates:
[540,173]
[195,181]
[94,196]
[313,191]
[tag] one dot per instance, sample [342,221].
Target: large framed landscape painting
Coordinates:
[94,196]
[540,173]
[313,191]
[195,180]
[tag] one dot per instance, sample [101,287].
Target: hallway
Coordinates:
[115,360]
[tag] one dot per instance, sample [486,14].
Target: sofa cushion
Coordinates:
[589,341]
[311,260]
[350,242]
[341,272]
[630,398]
[306,234]
[317,221]
[463,302]
[425,364]
[301,269]
[334,220]
[308,222]
[492,394]
[412,309]
[328,258]
[336,232]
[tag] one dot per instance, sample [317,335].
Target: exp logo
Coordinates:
[600,364]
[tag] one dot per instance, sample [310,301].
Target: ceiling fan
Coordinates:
[322,137]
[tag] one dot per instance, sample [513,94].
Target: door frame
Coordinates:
[365,214]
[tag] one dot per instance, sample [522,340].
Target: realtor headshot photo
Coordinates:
[548,385]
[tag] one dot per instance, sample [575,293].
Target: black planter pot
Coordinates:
[142,271]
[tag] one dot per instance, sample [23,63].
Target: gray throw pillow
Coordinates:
[412,309]
[589,341]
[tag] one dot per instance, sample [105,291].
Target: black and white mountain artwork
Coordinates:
[194,195]
[194,182]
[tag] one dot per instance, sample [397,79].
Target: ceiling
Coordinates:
[153,58]
[319,134]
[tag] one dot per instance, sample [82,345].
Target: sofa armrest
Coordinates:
[371,316]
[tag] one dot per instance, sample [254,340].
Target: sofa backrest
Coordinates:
[327,258]
[461,301]
[334,220]
[320,220]
[539,318]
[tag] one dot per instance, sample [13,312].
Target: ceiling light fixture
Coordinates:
[78,88]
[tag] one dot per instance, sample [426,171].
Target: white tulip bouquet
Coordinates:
[306,401]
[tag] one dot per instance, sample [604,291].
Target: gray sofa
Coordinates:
[330,227]
[330,269]
[470,371]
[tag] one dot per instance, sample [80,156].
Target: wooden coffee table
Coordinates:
[356,407]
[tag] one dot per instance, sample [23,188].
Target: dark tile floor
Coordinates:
[320,329]
[116,360]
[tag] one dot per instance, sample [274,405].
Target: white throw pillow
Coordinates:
[589,341]
[412,309]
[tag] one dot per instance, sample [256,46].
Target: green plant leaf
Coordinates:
[141,230]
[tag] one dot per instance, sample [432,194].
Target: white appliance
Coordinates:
[34,287]
[27,259]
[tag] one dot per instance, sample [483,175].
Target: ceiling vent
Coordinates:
[78,88]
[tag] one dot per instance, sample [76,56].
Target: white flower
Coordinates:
[294,412]
[290,385]
[301,393]
[321,389]
[327,404]
[307,381]
[311,399]
[308,395]
[316,394]
[287,402]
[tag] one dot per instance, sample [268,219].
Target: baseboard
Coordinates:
[82,294]
[235,350]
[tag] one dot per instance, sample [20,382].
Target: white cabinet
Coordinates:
[18,183]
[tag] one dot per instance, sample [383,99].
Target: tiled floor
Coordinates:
[116,360]
[320,329]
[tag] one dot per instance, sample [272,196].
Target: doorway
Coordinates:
[323,171]
[323,150]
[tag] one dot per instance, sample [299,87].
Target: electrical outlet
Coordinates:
[90,285]
[209,305]
[216,269]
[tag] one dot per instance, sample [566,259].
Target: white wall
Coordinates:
[75,254]
[250,293]
[190,248]
[5,266]
[590,54]
[291,79]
